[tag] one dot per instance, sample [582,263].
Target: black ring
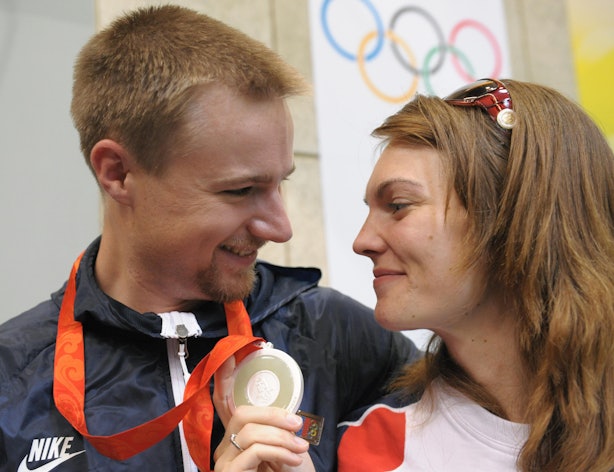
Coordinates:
[442,41]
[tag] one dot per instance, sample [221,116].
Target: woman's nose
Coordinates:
[367,242]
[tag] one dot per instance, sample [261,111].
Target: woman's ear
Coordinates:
[112,164]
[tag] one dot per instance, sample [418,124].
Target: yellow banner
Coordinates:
[592,40]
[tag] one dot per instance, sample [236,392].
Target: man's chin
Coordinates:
[227,287]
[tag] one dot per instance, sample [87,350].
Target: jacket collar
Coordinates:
[275,286]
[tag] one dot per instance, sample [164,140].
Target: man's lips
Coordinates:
[245,256]
[241,252]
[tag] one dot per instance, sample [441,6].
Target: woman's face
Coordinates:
[414,234]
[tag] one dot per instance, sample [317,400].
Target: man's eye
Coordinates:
[239,192]
[395,207]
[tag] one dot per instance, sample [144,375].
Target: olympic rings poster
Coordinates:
[369,58]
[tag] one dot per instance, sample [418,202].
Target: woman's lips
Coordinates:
[383,276]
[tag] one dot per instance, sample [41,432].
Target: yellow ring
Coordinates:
[360,57]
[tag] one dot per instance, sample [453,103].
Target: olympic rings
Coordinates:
[403,53]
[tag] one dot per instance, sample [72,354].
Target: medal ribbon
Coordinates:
[196,410]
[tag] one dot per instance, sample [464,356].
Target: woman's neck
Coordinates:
[490,355]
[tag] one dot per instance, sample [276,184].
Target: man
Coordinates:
[184,125]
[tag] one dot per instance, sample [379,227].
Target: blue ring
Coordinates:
[339,49]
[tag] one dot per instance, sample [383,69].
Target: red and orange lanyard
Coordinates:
[196,410]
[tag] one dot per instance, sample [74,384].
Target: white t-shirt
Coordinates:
[456,435]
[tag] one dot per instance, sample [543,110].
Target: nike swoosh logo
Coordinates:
[49,466]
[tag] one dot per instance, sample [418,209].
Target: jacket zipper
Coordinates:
[177,354]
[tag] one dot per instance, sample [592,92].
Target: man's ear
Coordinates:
[112,164]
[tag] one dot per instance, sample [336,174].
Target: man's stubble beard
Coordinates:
[235,287]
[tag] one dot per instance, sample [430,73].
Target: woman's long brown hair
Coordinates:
[540,200]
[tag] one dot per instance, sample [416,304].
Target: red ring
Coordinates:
[491,38]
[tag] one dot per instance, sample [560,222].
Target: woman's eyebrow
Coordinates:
[383,187]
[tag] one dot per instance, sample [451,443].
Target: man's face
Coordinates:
[200,224]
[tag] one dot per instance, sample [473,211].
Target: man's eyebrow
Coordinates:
[254,179]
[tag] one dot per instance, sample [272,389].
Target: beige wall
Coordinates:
[540,52]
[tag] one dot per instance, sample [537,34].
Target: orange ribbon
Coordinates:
[196,410]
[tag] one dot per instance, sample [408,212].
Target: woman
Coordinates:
[491,223]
